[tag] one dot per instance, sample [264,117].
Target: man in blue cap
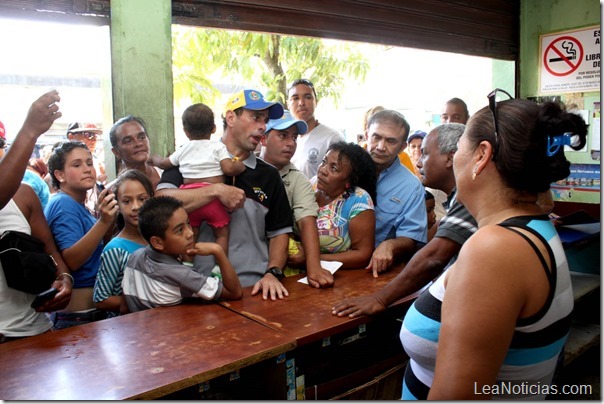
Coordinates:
[278,146]
[260,226]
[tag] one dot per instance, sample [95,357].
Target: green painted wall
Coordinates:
[504,75]
[538,17]
[141,57]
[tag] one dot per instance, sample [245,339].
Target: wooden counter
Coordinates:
[141,355]
[306,313]
[164,351]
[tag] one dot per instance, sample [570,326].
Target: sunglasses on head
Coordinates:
[306,82]
[493,107]
[303,81]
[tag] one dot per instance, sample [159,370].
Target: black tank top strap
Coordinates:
[515,223]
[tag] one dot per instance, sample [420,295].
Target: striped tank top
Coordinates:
[537,341]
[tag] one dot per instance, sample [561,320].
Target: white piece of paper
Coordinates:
[331,266]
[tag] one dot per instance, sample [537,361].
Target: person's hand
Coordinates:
[319,278]
[203,248]
[61,299]
[231,197]
[42,113]
[155,160]
[269,285]
[107,206]
[358,306]
[381,260]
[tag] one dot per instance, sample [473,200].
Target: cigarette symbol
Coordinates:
[570,51]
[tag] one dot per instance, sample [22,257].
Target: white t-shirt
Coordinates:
[200,158]
[17,318]
[312,148]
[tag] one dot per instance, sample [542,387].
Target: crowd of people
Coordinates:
[282,192]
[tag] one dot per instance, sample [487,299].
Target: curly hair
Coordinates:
[363,172]
[198,120]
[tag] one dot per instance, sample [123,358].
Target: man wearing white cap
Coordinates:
[278,147]
[260,230]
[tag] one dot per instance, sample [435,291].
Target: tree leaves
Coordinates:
[203,59]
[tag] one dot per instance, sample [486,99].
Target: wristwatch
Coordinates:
[276,271]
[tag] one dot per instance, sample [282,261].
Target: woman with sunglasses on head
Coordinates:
[494,324]
[77,233]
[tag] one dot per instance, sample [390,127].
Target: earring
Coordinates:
[473,175]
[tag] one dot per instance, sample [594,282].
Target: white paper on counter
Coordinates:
[331,266]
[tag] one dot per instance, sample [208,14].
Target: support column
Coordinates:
[141,62]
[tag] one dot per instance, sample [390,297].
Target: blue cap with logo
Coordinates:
[286,121]
[254,100]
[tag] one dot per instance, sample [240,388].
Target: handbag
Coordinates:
[27,267]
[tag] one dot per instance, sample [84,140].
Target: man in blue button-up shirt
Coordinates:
[401,220]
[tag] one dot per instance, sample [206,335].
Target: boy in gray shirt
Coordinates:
[156,275]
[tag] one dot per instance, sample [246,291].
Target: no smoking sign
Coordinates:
[570,61]
[563,56]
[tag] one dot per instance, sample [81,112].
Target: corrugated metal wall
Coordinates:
[487,28]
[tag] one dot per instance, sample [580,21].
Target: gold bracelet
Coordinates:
[66,274]
[235,158]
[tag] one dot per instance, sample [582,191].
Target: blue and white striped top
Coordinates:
[537,341]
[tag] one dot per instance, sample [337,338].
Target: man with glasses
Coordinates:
[87,133]
[312,146]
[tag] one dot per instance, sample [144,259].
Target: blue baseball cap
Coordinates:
[286,121]
[254,100]
[418,134]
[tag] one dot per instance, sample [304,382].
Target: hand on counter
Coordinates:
[270,285]
[358,306]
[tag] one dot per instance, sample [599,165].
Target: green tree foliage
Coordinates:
[203,57]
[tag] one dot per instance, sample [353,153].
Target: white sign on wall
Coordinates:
[570,61]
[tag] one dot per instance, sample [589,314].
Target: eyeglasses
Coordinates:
[493,106]
[88,135]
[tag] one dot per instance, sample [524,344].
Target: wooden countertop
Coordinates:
[306,313]
[141,355]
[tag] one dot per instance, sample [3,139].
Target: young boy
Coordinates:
[156,276]
[202,162]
